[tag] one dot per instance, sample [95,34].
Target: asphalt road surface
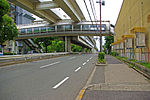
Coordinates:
[52,79]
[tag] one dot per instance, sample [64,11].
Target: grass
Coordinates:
[145,64]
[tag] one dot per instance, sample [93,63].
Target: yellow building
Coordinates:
[133,25]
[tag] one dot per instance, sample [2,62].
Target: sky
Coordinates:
[109,12]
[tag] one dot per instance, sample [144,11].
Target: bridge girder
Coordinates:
[71,8]
[30,6]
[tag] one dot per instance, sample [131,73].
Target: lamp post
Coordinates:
[100,3]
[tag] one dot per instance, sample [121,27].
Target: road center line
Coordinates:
[84,63]
[78,69]
[91,57]
[50,64]
[88,60]
[60,83]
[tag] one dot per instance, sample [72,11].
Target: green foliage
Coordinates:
[76,48]
[9,53]
[146,64]
[4,8]
[114,53]
[45,42]
[8,31]
[86,50]
[109,40]
[101,61]
[58,46]
[101,55]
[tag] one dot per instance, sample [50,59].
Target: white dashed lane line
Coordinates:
[60,83]
[49,64]
[78,69]
[91,57]
[84,63]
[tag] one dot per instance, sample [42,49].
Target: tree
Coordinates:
[8,30]
[58,46]
[76,48]
[109,40]
[4,8]
[45,42]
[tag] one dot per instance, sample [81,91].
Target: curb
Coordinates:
[82,91]
[101,64]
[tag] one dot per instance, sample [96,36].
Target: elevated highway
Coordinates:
[44,9]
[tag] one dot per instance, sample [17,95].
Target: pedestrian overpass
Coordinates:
[77,33]
[62,29]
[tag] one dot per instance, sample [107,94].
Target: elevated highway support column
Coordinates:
[67,44]
[83,50]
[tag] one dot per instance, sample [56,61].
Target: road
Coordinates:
[52,79]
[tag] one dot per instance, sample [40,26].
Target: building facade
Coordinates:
[132,30]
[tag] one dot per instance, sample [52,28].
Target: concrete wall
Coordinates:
[134,13]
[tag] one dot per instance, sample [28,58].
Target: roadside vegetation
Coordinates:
[131,61]
[8,29]
[101,58]
[53,44]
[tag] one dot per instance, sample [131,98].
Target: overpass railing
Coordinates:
[61,28]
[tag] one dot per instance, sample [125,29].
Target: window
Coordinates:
[43,29]
[60,28]
[85,27]
[77,27]
[68,27]
[36,30]
[29,30]
[52,28]
[23,30]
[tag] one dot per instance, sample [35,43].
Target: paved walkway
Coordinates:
[117,81]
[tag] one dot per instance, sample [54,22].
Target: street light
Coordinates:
[100,3]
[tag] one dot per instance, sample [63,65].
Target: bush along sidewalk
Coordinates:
[142,67]
[101,58]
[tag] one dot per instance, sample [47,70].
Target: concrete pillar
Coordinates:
[67,44]
[13,46]
[89,50]
[83,50]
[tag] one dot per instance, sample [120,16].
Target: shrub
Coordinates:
[9,53]
[114,53]
[101,55]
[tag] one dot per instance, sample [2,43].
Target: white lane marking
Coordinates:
[91,57]
[78,69]
[72,57]
[50,64]
[88,60]
[60,83]
[84,63]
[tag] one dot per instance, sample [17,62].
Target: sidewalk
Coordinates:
[117,81]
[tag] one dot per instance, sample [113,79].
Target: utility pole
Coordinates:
[100,4]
